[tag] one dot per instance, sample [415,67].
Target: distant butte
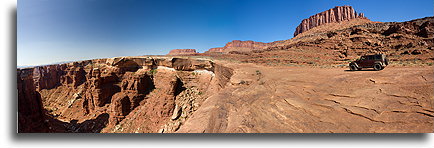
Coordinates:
[182,52]
[240,46]
[335,15]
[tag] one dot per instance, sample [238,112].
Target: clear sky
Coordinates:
[52,31]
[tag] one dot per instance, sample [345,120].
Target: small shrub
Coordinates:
[258,72]
[152,71]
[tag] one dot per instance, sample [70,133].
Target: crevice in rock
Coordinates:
[426,114]
[360,115]
[337,95]
[367,109]
[334,101]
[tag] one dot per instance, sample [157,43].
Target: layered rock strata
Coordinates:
[103,95]
[182,52]
[334,15]
[239,46]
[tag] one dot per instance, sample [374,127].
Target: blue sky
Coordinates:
[52,31]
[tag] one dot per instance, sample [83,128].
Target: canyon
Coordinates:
[103,95]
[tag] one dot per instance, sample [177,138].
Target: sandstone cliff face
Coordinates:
[334,15]
[419,27]
[217,49]
[30,110]
[104,95]
[239,46]
[182,52]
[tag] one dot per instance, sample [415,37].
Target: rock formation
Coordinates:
[419,27]
[239,46]
[216,50]
[175,52]
[334,15]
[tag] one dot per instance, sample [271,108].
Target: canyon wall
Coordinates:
[30,110]
[334,15]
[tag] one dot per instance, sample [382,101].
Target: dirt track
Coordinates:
[301,99]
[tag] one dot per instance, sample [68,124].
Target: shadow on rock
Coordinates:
[88,126]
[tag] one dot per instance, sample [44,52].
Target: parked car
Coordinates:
[377,61]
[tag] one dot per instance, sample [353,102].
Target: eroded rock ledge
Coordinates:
[125,94]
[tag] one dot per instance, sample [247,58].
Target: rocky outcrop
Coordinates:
[239,46]
[134,88]
[175,52]
[334,15]
[417,27]
[74,76]
[47,77]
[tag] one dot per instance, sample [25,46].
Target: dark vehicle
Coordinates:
[377,61]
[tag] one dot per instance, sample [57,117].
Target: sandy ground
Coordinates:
[310,100]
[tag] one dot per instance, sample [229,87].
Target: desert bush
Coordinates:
[152,71]
[258,72]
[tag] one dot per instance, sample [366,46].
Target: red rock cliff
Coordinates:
[334,15]
[237,45]
[182,52]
